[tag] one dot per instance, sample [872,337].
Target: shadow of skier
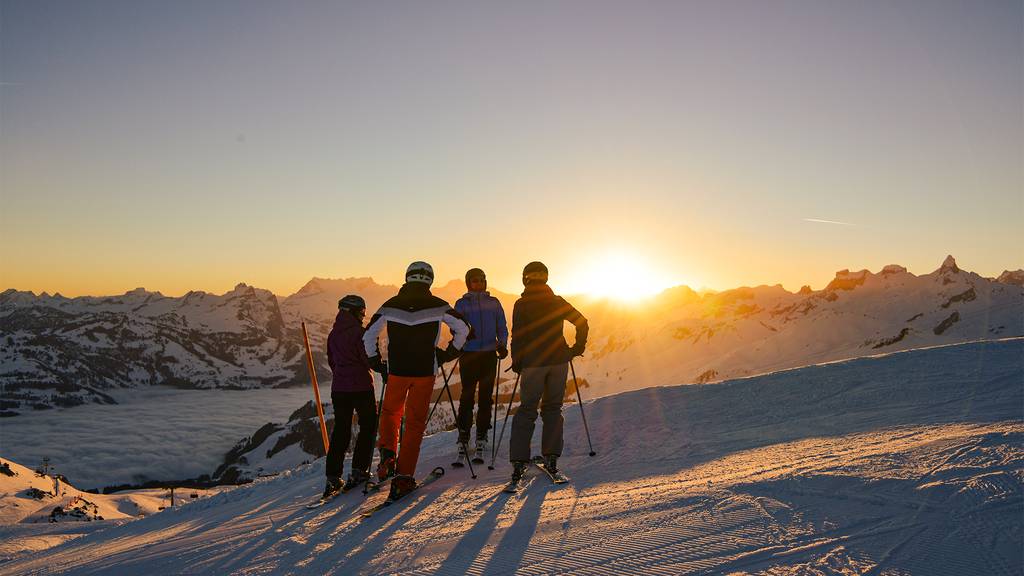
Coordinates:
[380,529]
[508,555]
[467,550]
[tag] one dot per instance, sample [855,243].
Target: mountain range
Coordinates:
[61,352]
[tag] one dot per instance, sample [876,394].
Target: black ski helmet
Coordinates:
[352,303]
[535,273]
[475,273]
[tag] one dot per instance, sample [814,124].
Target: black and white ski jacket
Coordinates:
[413,321]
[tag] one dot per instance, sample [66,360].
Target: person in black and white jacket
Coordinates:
[412,320]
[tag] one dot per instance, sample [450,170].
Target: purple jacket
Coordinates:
[347,357]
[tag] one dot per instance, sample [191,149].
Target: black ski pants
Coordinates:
[477,371]
[365,407]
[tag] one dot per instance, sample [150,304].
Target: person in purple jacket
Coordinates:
[480,356]
[351,390]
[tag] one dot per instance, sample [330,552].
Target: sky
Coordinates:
[196,145]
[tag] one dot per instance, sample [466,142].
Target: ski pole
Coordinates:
[504,422]
[580,402]
[376,431]
[316,389]
[494,426]
[451,401]
[438,401]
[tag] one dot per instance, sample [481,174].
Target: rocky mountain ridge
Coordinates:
[60,352]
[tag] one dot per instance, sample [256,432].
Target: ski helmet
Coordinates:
[352,303]
[535,273]
[474,274]
[420,272]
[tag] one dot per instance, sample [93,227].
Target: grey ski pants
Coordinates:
[544,385]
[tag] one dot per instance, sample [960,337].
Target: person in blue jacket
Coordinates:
[479,361]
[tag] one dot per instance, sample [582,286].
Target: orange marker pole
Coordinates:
[316,388]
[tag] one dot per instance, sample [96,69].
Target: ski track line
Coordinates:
[610,544]
[619,554]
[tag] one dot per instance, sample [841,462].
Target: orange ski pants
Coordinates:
[408,395]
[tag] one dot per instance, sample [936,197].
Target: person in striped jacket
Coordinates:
[412,320]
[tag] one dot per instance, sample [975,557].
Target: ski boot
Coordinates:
[551,463]
[481,449]
[386,468]
[401,486]
[355,478]
[516,482]
[460,460]
[332,489]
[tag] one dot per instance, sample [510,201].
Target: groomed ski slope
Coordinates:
[911,463]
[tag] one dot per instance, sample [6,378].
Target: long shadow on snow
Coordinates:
[942,522]
[662,430]
[465,553]
[515,543]
[374,532]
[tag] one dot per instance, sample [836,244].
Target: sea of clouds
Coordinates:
[152,434]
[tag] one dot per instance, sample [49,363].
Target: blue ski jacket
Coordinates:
[485,314]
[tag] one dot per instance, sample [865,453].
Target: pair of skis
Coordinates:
[557,477]
[434,474]
[321,501]
[370,486]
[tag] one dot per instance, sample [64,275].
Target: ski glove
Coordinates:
[576,350]
[448,354]
[377,365]
[502,352]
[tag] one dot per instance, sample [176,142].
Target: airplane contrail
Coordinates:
[828,222]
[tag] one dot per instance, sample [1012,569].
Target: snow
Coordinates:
[29,521]
[908,463]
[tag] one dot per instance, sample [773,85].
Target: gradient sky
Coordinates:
[194,145]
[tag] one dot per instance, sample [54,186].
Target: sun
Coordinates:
[620,275]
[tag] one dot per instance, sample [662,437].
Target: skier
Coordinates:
[413,321]
[479,361]
[351,389]
[541,357]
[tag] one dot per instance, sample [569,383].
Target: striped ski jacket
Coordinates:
[413,322]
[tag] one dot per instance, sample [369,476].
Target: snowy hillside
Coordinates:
[908,463]
[63,352]
[32,504]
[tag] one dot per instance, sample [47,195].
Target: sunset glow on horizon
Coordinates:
[619,275]
[632,148]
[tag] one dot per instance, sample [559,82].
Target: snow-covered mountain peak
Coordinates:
[948,266]
[314,286]
[846,280]
[893,269]
[453,285]
[1012,277]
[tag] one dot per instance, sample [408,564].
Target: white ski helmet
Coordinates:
[420,272]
